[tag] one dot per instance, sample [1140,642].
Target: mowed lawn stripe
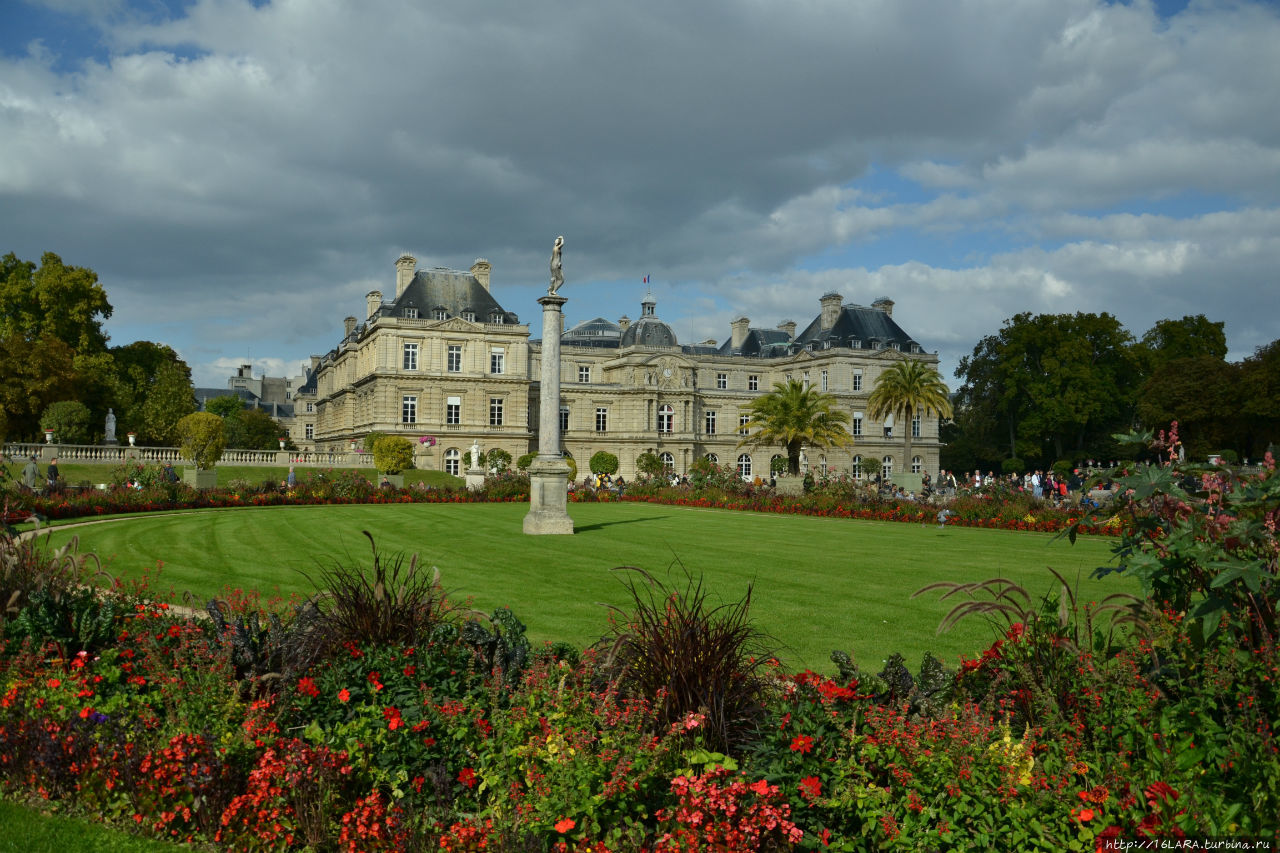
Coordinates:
[819,583]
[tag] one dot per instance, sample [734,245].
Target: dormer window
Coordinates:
[854,343]
[469,316]
[893,345]
[411,313]
[496,318]
[440,314]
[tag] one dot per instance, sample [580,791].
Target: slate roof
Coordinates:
[868,326]
[598,332]
[454,291]
[763,343]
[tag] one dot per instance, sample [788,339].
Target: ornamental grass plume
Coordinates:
[689,657]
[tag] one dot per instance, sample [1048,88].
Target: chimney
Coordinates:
[373,301]
[315,362]
[884,304]
[480,269]
[739,329]
[349,324]
[624,322]
[830,310]
[788,326]
[404,272]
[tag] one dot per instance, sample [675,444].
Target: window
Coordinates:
[453,411]
[311,407]
[564,419]
[668,462]
[857,467]
[440,314]
[455,358]
[854,343]
[711,423]
[410,356]
[886,467]
[411,313]
[584,373]
[744,466]
[496,318]
[753,382]
[915,426]
[857,379]
[409,409]
[452,461]
[722,381]
[824,380]
[495,411]
[916,464]
[713,459]
[856,424]
[602,419]
[666,419]
[806,379]
[311,431]
[469,316]
[496,358]
[743,420]
[888,425]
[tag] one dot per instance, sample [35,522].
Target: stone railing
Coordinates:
[95,454]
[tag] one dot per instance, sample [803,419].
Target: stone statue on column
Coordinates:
[557,274]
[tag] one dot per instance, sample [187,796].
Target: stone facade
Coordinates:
[444,364]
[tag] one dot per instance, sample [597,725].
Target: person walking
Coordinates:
[52,474]
[30,473]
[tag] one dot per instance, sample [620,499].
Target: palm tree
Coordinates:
[793,415]
[907,389]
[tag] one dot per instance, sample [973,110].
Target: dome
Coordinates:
[649,331]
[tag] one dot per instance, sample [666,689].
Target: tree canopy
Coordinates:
[792,416]
[53,299]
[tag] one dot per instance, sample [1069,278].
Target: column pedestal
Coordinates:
[549,473]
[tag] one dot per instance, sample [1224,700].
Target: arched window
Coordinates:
[666,419]
[917,464]
[744,466]
[886,467]
[857,467]
[668,462]
[774,463]
[452,461]
[713,459]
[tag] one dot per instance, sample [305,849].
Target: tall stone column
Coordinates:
[549,473]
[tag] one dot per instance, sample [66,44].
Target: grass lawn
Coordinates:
[23,830]
[819,584]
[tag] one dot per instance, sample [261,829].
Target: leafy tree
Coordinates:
[54,300]
[203,437]
[153,391]
[69,420]
[1190,337]
[1259,396]
[253,429]
[1065,380]
[224,406]
[498,460]
[649,464]
[603,462]
[33,374]
[392,454]
[1202,394]
[793,415]
[906,389]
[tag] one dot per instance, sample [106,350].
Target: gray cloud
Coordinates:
[258,169]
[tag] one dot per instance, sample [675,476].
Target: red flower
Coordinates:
[85,712]
[393,718]
[307,687]
[564,825]
[344,695]
[802,744]
[467,777]
[810,787]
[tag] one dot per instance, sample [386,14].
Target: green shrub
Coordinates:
[603,462]
[498,460]
[392,454]
[1013,465]
[203,438]
[525,461]
[1229,456]
[1062,469]
[649,464]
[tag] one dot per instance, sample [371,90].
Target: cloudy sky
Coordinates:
[241,173]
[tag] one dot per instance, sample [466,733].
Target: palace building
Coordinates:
[443,363]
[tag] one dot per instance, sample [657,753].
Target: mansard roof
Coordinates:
[598,332]
[872,328]
[763,343]
[452,290]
